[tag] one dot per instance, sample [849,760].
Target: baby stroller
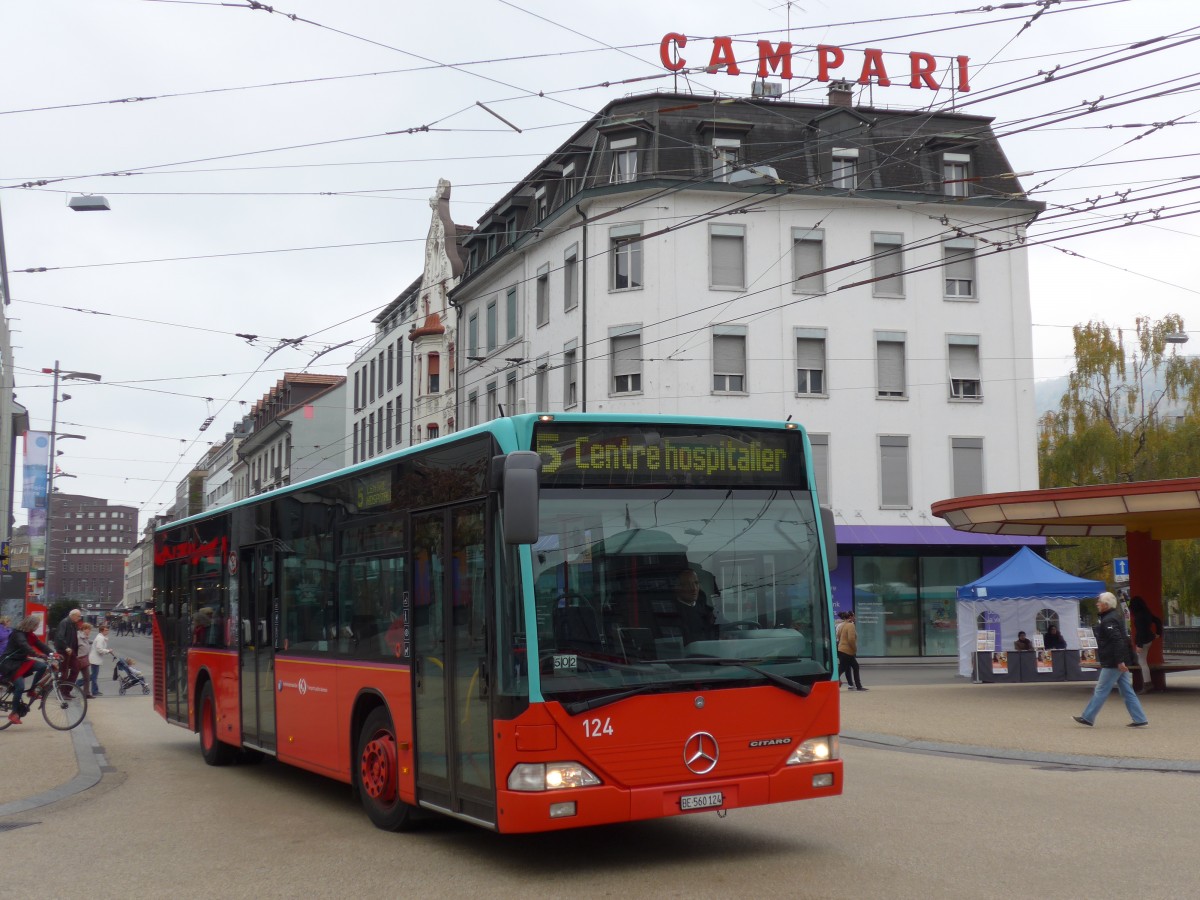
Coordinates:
[129,676]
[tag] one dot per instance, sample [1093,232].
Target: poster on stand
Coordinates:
[1045,662]
[1000,663]
[1088,657]
[985,641]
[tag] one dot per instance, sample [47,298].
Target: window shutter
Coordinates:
[626,355]
[810,353]
[729,354]
[964,362]
[888,263]
[808,256]
[820,461]
[967,463]
[891,367]
[727,260]
[893,470]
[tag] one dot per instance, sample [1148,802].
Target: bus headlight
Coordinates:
[818,749]
[550,776]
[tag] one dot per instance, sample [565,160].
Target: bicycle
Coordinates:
[63,704]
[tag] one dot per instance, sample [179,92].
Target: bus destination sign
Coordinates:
[582,454]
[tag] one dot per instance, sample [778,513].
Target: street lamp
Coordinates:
[58,374]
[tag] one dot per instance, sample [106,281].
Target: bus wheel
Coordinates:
[214,751]
[377,773]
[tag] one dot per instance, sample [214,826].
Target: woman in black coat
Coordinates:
[1054,639]
[1146,627]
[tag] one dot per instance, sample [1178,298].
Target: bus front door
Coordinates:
[452,683]
[259,620]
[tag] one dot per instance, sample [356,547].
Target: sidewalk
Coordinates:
[1026,722]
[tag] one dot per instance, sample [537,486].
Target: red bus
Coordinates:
[540,623]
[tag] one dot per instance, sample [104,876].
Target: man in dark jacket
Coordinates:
[66,642]
[1116,655]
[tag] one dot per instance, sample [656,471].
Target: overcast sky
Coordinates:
[260,194]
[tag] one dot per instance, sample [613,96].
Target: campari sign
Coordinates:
[832,63]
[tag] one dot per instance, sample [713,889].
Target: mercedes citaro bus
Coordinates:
[544,622]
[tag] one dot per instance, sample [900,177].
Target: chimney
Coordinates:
[841,93]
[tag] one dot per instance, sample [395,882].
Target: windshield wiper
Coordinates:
[786,683]
[579,706]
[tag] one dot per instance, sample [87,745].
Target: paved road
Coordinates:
[909,825]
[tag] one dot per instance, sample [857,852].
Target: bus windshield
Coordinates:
[669,588]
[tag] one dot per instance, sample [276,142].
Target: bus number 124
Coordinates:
[597,727]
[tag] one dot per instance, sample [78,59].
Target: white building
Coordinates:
[860,271]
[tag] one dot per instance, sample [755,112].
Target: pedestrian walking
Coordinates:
[1146,627]
[99,651]
[84,640]
[848,652]
[1116,655]
[66,642]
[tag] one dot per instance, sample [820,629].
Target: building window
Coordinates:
[432,431]
[729,359]
[472,409]
[357,380]
[845,168]
[820,464]
[808,260]
[381,373]
[571,277]
[491,327]
[726,156]
[490,412]
[625,349]
[958,258]
[510,230]
[810,361]
[399,421]
[570,182]
[543,295]
[391,362]
[400,361]
[473,335]
[956,169]
[370,434]
[388,427]
[354,442]
[963,356]
[435,373]
[511,327]
[539,199]
[893,472]
[510,394]
[890,378]
[539,382]
[888,264]
[371,383]
[967,466]
[625,161]
[727,256]
[625,244]
[570,382]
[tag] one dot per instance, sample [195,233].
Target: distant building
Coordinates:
[296,431]
[89,540]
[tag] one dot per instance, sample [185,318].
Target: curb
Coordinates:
[1074,760]
[89,756]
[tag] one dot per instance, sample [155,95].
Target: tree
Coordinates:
[1131,412]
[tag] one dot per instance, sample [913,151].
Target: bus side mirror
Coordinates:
[830,532]
[520,490]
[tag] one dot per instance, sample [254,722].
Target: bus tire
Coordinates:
[377,773]
[215,751]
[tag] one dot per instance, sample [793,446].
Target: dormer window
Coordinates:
[625,161]
[845,168]
[726,156]
[570,182]
[540,203]
[956,169]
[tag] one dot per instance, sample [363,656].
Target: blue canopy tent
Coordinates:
[1010,597]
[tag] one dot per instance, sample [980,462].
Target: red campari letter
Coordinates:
[923,67]
[873,68]
[772,60]
[828,57]
[664,50]
[722,55]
